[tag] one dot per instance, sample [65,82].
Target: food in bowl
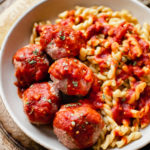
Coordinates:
[114,48]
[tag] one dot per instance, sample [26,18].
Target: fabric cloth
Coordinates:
[7,19]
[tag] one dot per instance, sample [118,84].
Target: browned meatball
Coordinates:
[31,65]
[77,125]
[71,76]
[61,41]
[41,101]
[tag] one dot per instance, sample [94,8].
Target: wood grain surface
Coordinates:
[11,137]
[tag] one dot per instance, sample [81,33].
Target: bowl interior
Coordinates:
[19,36]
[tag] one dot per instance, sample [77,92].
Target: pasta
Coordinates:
[119,56]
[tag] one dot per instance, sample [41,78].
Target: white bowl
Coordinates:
[19,35]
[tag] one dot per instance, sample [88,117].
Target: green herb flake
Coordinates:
[64,64]
[44,99]
[51,43]
[65,68]
[68,105]
[72,105]
[31,111]
[72,115]
[73,123]
[75,60]
[21,56]
[119,63]
[81,114]
[49,100]
[27,103]
[75,83]
[123,99]
[60,33]
[36,51]
[62,37]
[134,63]
[86,122]
[79,104]
[31,86]
[32,62]
[103,96]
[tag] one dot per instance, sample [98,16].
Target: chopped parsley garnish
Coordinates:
[81,114]
[65,68]
[44,99]
[73,123]
[103,96]
[75,83]
[51,43]
[27,103]
[21,56]
[134,63]
[62,37]
[49,100]
[60,33]
[31,111]
[36,51]
[32,62]
[123,99]
[64,64]
[75,60]
[31,86]
[79,104]
[72,114]
[72,105]
[86,122]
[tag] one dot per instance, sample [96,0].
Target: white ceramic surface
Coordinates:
[18,36]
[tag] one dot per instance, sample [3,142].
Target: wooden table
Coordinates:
[7,137]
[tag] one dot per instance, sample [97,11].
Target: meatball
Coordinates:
[41,101]
[77,125]
[31,65]
[71,76]
[61,41]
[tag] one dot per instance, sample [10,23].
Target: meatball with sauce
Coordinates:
[31,65]
[41,101]
[61,41]
[77,125]
[71,76]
